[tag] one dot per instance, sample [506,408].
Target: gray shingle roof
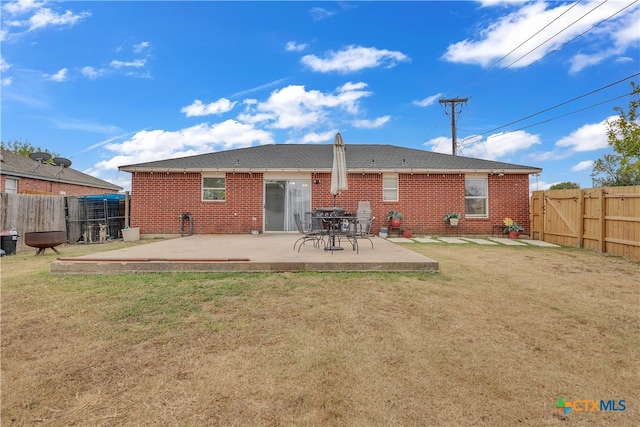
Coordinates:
[306,157]
[23,167]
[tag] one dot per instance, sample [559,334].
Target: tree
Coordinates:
[623,133]
[564,186]
[24,148]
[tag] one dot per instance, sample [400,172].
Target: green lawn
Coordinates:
[494,339]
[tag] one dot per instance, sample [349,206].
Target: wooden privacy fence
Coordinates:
[603,219]
[79,216]
[28,212]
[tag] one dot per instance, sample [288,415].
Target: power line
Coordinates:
[454,143]
[572,112]
[548,120]
[562,103]
[541,44]
[497,61]
[555,50]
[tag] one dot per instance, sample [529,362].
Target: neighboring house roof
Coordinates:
[319,158]
[23,167]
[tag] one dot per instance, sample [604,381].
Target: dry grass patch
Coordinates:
[494,339]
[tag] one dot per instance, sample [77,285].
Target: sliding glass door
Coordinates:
[283,197]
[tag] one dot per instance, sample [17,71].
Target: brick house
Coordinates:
[260,187]
[19,174]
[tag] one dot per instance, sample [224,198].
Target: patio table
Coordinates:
[339,226]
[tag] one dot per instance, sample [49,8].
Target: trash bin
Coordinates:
[8,243]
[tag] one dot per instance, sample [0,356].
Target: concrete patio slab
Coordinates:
[541,243]
[508,242]
[480,241]
[246,253]
[400,240]
[452,240]
[426,240]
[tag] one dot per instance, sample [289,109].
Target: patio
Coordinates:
[246,253]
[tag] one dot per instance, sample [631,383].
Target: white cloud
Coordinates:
[295,107]
[552,25]
[623,34]
[141,47]
[535,184]
[581,61]
[22,6]
[494,147]
[147,146]
[4,65]
[46,17]
[440,144]
[255,118]
[354,58]
[60,76]
[430,100]
[20,17]
[320,13]
[259,88]
[136,63]
[589,137]
[6,81]
[581,166]
[371,124]
[296,47]
[90,72]
[623,59]
[312,138]
[198,108]
[485,3]
[626,31]
[83,125]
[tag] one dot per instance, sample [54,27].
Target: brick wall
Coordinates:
[37,186]
[160,198]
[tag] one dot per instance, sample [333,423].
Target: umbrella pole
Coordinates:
[333,242]
[332,231]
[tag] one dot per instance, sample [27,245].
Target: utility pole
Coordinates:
[453,102]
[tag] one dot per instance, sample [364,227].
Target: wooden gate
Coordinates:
[602,219]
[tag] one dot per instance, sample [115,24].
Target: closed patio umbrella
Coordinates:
[339,170]
[338,179]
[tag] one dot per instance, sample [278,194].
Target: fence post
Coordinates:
[581,219]
[544,214]
[603,228]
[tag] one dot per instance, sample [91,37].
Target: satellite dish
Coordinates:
[62,162]
[40,157]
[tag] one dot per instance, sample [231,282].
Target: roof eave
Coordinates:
[60,180]
[523,171]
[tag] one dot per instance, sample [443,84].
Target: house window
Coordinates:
[213,188]
[11,185]
[390,187]
[476,197]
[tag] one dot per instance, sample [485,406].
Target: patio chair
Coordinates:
[363,228]
[316,236]
[364,206]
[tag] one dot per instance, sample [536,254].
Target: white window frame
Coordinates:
[223,189]
[11,189]
[385,188]
[484,197]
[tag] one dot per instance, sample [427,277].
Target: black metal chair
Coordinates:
[362,229]
[310,234]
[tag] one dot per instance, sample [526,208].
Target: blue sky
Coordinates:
[106,84]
